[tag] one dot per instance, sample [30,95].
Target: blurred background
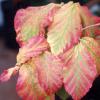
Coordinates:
[9,47]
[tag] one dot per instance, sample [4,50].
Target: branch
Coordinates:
[90,26]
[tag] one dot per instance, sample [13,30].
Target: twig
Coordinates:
[94,25]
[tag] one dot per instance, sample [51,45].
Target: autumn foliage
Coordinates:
[59,46]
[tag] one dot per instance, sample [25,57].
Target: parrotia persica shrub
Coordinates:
[59,47]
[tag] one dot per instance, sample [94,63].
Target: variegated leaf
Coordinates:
[93,48]
[40,78]
[28,86]
[34,47]
[65,30]
[79,71]
[33,20]
[49,72]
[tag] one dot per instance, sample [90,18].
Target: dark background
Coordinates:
[9,47]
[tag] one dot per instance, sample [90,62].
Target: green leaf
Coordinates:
[52,97]
[62,94]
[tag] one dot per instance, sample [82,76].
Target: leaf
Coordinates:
[93,48]
[52,97]
[40,78]
[64,32]
[32,21]
[49,72]
[62,94]
[5,76]
[89,19]
[79,71]
[34,47]
[28,86]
